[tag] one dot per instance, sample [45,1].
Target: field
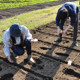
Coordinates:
[51,58]
[8,4]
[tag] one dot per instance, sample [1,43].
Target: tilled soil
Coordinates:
[50,57]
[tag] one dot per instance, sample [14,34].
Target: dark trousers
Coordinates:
[61,24]
[19,50]
[75,28]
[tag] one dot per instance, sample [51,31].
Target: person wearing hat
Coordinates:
[67,10]
[15,38]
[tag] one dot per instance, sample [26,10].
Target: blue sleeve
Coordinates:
[57,20]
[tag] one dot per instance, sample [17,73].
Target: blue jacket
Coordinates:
[73,12]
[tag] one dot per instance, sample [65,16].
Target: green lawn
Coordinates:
[7,4]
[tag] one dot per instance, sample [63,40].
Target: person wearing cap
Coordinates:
[15,38]
[67,10]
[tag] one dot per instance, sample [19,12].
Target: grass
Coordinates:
[7,4]
[25,18]
[1,40]
[32,19]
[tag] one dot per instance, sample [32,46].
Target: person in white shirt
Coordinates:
[15,38]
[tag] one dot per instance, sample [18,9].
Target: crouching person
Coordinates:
[15,38]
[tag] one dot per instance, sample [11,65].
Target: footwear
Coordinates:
[58,40]
[75,43]
[30,58]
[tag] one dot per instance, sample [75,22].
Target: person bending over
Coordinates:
[71,10]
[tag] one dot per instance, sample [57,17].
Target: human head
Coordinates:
[63,13]
[15,30]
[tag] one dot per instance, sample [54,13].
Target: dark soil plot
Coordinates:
[50,57]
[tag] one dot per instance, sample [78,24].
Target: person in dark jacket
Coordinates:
[68,9]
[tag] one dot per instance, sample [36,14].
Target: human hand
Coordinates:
[33,40]
[10,60]
[64,32]
[59,30]
[70,26]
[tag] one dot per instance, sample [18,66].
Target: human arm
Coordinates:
[59,30]
[27,34]
[57,20]
[7,45]
[64,32]
[7,53]
[57,23]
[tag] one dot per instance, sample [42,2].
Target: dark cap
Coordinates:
[15,30]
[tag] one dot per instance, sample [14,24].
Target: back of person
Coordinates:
[71,7]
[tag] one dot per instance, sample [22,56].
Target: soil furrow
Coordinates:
[70,48]
[26,69]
